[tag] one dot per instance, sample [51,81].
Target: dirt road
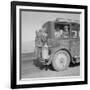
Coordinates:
[30,69]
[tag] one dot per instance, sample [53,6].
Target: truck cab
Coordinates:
[63,40]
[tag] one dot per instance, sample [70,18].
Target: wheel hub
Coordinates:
[61,59]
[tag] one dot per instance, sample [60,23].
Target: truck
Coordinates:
[58,43]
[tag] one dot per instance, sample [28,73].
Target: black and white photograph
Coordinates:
[50,44]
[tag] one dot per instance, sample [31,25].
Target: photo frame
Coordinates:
[67,53]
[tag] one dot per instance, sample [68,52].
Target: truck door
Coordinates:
[75,43]
[62,35]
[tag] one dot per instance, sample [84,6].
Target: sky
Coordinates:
[33,20]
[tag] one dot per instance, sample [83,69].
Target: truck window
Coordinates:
[74,34]
[62,31]
[75,30]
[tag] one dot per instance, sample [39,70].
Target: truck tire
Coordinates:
[61,60]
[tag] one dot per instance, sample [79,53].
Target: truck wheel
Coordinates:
[61,60]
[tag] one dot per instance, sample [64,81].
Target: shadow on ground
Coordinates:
[74,65]
[39,65]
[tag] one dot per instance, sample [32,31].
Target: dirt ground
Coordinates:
[31,68]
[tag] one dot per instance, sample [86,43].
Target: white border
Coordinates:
[54,79]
